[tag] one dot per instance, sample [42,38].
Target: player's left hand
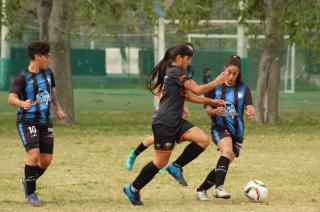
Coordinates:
[250,112]
[61,115]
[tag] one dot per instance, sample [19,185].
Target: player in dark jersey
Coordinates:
[148,141]
[227,125]
[171,77]
[33,91]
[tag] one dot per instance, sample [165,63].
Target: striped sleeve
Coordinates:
[18,85]
[248,97]
[53,82]
[210,95]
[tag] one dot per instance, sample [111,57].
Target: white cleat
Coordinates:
[202,195]
[221,193]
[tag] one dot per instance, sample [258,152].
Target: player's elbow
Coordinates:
[10,100]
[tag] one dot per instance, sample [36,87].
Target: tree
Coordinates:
[43,13]
[298,19]
[269,68]
[59,39]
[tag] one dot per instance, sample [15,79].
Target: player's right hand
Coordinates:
[26,104]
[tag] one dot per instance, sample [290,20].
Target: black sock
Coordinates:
[221,170]
[146,175]
[30,177]
[189,153]
[208,182]
[140,149]
[39,172]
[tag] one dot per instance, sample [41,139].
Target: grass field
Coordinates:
[87,173]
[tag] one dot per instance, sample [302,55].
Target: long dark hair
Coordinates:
[234,60]
[157,78]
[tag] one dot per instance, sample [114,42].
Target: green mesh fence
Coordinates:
[126,61]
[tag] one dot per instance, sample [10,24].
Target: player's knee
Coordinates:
[33,159]
[160,163]
[45,163]
[228,153]
[204,142]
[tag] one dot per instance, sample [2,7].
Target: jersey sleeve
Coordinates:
[248,97]
[179,76]
[53,81]
[18,85]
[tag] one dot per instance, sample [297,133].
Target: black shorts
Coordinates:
[218,134]
[36,136]
[165,137]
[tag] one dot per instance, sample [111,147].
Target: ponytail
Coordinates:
[156,82]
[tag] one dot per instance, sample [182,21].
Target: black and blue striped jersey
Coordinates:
[36,87]
[236,98]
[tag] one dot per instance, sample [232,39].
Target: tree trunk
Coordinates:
[43,13]
[269,69]
[59,39]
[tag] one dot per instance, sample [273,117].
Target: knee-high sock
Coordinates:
[191,152]
[140,148]
[208,182]
[146,175]
[221,170]
[40,171]
[30,173]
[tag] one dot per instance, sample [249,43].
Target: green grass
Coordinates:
[88,171]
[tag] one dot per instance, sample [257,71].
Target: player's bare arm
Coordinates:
[14,101]
[201,89]
[60,113]
[250,112]
[214,111]
[203,100]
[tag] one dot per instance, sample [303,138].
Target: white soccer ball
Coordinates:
[256,191]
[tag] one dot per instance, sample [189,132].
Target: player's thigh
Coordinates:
[197,136]
[29,134]
[33,156]
[46,139]
[148,141]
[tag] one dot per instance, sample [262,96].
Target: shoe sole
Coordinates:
[197,198]
[224,197]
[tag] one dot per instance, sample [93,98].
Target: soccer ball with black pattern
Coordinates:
[256,191]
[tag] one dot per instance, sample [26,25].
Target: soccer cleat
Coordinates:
[176,173]
[33,199]
[221,193]
[134,197]
[162,171]
[25,188]
[131,159]
[202,195]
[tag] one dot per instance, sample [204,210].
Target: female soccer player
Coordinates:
[227,125]
[32,92]
[148,141]
[167,120]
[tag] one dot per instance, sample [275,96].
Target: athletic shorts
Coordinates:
[219,134]
[165,137]
[36,136]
